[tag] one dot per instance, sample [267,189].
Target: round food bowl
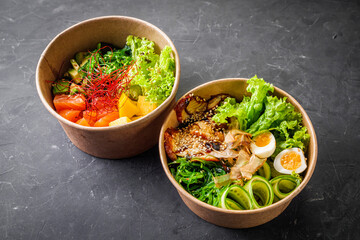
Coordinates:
[236,87]
[105,142]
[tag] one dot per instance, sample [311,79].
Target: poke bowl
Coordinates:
[75,66]
[187,167]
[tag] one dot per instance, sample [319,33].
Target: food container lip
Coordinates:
[303,183]
[149,116]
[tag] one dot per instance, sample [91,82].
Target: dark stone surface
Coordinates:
[51,190]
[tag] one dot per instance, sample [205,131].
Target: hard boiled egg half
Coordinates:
[263,145]
[290,160]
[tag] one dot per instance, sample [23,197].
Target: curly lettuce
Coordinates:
[162,77]
[153,72]
[281,118]
[261,112]
[259,90]
[249,110]
[230,108]
[276,110]
[298,137]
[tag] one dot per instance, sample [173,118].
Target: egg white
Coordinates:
[277,162]
[265,151]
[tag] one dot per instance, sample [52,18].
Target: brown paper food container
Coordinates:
[236,87]
[104,142]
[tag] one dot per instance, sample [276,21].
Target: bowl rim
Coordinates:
[134,123]
[309,172]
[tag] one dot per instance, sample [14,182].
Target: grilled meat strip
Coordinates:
[199,139]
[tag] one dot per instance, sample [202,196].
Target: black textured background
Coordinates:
[51,190]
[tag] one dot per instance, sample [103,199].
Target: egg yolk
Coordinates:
[263,139]
[291,161]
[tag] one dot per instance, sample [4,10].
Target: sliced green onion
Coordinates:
[260,191]
[284,185]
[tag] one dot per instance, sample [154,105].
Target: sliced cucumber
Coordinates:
[80,56]
[231,204]
[276,199]
[273,171]
[84,62]
[237,194]
[74,64]
[260,191]
[75,76]
[265,171]
[134,92]
[284,185]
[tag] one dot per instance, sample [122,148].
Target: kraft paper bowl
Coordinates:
[236,87]
[104,142]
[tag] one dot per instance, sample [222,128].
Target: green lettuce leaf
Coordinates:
[258,89]
[143,52]
[298,138]
[281,118]
[276,111]
[249,110]
[154,73]
[162,76]
[230,108]
[261,112]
